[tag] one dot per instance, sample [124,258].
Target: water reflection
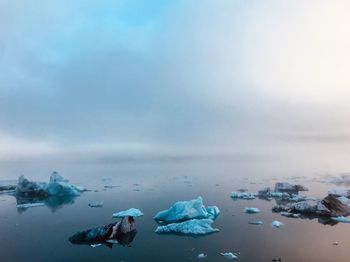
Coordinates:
[53,202]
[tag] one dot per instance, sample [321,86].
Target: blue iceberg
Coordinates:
[192,227]
[57,186]
[133,212]
[185,210]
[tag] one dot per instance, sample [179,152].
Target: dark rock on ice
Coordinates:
[122,233]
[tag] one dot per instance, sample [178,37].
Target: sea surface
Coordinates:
[41,233]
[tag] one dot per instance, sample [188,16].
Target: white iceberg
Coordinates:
[277,224]
[184,210]
[341,219]
[251,210]
[193,227]
[132,212]
[243,195]
[202,255]
[229,255]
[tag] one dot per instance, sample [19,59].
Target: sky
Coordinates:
[171,76]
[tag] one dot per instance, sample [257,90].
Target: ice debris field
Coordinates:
[190,217]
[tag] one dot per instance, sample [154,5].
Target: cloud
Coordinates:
[170,74]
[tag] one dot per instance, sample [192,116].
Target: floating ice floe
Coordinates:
[243,195]
[287,195]
[192,227]
[99,204]
[134,212]
[229,255]
[277,224]
[251,210]
[184,210]
[341,219]
[202,255]
[258,222]
[286,187]
[29,205]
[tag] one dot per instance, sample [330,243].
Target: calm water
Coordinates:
[41,233]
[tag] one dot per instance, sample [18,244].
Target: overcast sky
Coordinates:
[151,75]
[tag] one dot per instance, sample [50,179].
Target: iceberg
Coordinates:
[133,212]
[251,210]
[329,206]
[185,210]
[57,186]
[202,255]
[341,219]
[192,227]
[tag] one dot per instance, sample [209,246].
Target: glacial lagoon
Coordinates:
[42,233]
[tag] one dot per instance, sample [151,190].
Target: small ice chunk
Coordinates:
[132,212]
[95,245]
[110,186]
[28,205]
[277,224]
[243,195]
[100,204]
[184,210]
[258,222]
[229,255]
[112,241]
[289,214]
[341,219]
[193,227]
[202,255]
[251,210]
